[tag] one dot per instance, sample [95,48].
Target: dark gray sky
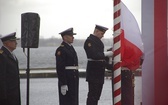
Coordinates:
[58,15]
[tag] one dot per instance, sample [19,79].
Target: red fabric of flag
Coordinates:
[130,54]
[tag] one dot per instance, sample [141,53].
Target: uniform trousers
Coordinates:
[94,93]
[72,81]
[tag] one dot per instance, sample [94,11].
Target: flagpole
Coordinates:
[116,82]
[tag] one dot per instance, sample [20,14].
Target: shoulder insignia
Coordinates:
[89,44]
[59,53]
[62,45]
[1,51]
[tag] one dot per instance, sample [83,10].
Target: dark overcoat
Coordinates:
[9,79]
[94,49]
[67,56]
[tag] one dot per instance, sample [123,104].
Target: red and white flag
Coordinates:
[131,41]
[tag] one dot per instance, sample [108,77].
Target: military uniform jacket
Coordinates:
[9,78]
[66,56]
[94,49]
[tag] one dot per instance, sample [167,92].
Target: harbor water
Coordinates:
[44,57]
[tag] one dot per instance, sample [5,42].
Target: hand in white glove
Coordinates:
[64,89]
[108,53]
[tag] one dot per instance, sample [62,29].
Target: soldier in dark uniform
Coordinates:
[9,72]
[96,65]
[67,70]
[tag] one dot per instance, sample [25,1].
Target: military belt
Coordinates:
[96,60]
[71,67]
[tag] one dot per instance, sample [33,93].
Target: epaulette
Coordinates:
[61,45]
[1,51]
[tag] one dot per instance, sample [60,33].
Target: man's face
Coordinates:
[68,38]
[11,44]
[100,34]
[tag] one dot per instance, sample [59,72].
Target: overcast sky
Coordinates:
[58,15]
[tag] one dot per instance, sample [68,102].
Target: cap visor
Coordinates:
[15,39]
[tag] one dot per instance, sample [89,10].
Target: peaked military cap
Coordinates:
[101,28]
[68,31]
[10,36]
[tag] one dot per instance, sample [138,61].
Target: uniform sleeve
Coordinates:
[60,66]
[2,78]
[93,51]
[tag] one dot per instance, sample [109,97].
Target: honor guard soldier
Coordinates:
[67,70]
[96,64]
[9,72]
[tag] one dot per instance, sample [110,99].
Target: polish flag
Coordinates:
[131,41]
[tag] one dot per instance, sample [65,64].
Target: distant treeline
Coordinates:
[56,42]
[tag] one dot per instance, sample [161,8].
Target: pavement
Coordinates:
[44,91]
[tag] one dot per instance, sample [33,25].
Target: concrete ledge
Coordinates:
[51,72]
[44,74]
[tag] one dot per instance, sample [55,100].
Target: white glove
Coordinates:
[64,89]
[108,53]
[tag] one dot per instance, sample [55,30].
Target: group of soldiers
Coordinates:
[97,62]
[67,69]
